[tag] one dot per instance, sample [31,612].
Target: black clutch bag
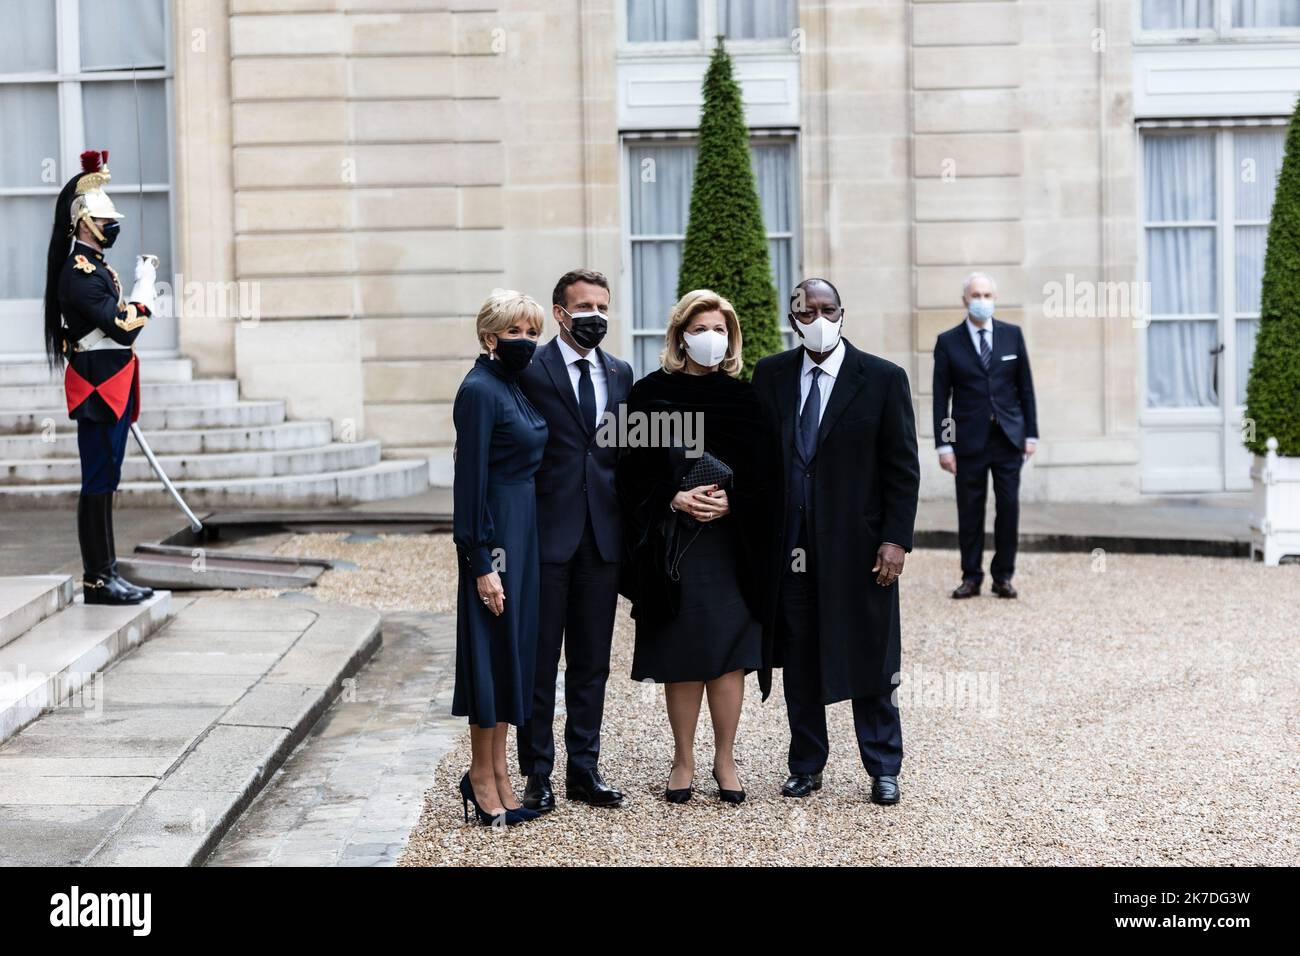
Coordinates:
[707,470]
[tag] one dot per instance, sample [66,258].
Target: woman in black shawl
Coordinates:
[693,483]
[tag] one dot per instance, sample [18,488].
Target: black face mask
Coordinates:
[515,355]
[587,328]
[110,231]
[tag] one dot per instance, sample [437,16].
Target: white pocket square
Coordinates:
[1007,358]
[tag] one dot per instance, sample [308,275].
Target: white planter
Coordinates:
[1275,505]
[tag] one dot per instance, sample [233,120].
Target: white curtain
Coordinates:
[755,19]
[27,40]
[121,34]
[1181,364]
[657,21]
[1266,13]
[27,222]
[110,121]
[29,123]
[776,194]
[1179,178]
[1177,14]
[1247,329]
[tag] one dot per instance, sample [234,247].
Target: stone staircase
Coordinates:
[219,450]
[52,645]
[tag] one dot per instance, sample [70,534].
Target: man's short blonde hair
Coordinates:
[502,309]
[673,357]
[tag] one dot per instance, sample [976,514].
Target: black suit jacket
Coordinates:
[1004,393]
[576,477]
[865,478]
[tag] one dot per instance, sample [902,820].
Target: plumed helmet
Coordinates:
[90,201]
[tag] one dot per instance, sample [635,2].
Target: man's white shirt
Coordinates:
[830,368]
[598,383]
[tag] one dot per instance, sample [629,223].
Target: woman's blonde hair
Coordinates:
[673,357]
[503,308]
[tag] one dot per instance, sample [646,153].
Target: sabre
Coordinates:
[195,523]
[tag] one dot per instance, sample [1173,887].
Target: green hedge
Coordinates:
[726,244]
[1273,389]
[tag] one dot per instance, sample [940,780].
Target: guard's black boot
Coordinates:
[99,586]
[145,592]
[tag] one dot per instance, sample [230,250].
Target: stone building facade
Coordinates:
[368,170]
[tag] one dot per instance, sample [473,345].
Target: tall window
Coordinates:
[1208,197]
[676,21]
[1216,16]
[76,74]
[660,177]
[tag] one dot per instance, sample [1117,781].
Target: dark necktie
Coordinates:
[810,418]
[586,394]
[986,350]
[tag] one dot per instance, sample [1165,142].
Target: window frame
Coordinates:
[1222,32]
[1225,225]
[706,31]
[627,291]
[69,79]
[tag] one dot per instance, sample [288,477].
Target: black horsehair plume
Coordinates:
[92,161]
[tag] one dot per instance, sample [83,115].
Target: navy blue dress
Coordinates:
[499,442]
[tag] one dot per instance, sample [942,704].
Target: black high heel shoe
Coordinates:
[727,796]
[679,796]
[467,796]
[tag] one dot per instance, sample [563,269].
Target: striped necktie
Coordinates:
[986,350]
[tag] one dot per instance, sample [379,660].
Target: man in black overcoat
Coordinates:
[846,447]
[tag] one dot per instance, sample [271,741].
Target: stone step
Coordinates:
[336,456]
[151,370]
[57,658]
[199,441]
[385,479]
[26,601]
[204,391]
[194,724]
[243,414]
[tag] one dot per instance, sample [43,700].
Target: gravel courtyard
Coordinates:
[1126,710]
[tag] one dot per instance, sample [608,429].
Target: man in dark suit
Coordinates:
[572,383]
[982,367]
[846,451]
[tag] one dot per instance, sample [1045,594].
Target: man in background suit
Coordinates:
[579,535]
[849,474]
[982,366]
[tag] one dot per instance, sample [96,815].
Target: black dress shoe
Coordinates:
[587,787]
[801,784]
[108,590]
[538,794]
[884,790]
[967,589]
[725,795]
[1003,589]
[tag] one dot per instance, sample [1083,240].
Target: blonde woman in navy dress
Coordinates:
[499,443]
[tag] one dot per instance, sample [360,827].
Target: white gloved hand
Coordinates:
[146,278]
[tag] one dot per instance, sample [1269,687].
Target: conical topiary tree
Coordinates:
[726,244]
[1273,388]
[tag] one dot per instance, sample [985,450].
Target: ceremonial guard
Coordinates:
[91,327]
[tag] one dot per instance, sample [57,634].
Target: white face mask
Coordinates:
[706,348]
[821,335]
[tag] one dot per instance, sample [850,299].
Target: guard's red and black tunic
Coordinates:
[100,330]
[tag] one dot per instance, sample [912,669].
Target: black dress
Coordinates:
[703,621]
[499,443]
